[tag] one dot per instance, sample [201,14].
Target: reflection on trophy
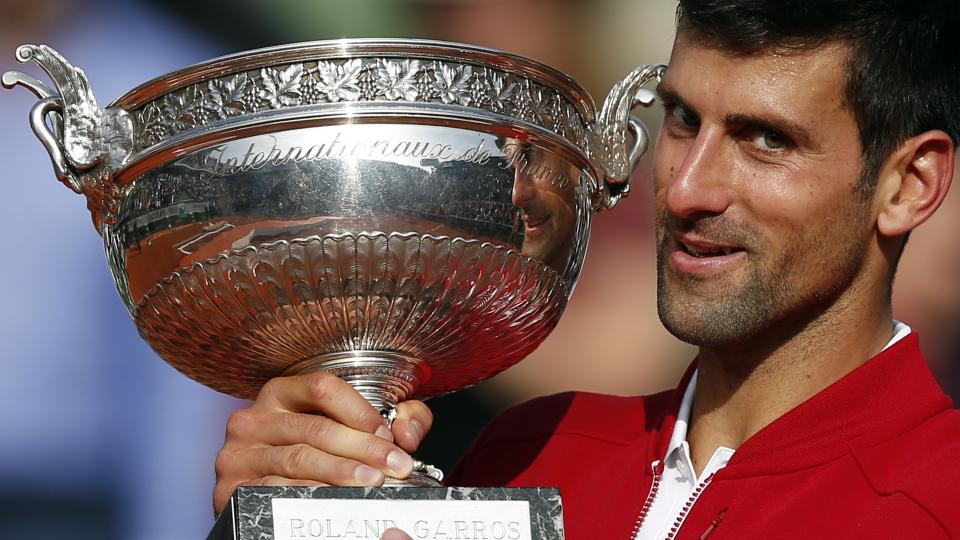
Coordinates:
[544,198]
[409,215]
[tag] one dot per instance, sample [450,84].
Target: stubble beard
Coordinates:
[720,320]
[770,294]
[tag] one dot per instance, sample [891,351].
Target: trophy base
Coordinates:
[283,513]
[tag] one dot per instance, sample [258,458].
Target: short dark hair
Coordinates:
[903,76]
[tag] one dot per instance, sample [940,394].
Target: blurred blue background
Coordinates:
[99,439]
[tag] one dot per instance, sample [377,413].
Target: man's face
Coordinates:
[546,208]
[758,221]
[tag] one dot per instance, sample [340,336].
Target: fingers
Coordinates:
[322,393]
[413,421]
[283,429]
[395,534]
[322,461]
[302,461]
[316,429]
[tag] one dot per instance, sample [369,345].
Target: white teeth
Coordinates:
[707,253]
[695,252]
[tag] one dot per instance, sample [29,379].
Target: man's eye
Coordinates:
[770,140]
[684,116]
[774,140]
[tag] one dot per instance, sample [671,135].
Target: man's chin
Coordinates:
[707,323]
[536,252]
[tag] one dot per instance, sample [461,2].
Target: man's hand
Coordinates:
[315,430]
[395,534]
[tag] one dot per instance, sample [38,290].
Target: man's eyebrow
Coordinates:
[796,131]
[668,95]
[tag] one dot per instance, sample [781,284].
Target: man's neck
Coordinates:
[741,390]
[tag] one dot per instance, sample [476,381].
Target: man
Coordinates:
[802,142]
[543,191]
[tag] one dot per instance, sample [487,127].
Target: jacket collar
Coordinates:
[885,396]
[889,394]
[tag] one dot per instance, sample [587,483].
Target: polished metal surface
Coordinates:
[409,215]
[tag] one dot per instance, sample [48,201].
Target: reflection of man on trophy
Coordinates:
[543,192]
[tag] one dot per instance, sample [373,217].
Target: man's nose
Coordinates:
[523,189]
[701,184]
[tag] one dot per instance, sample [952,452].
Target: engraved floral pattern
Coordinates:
[281,87]
[311,91]
[180,109]
[452,83]
[503,91]
[368,84]
[426,91]
[541,107]
[478,92]
[555,114]
[397,79]
[251,99]
[154,128]
[340,82]
[575,130]
[358,79]
[225,96]
[522,104]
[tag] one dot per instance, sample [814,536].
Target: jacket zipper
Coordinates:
[687,506]
[657,469]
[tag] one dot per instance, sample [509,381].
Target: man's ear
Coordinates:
[914,182]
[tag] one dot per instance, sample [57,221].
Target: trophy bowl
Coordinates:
[409,215]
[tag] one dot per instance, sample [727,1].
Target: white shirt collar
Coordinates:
[900,331]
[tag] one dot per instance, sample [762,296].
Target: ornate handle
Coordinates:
[86,143]
[610,151]
[52,141]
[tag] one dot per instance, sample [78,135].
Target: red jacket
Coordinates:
[875,455]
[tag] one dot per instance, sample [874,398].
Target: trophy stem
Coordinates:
[383,379]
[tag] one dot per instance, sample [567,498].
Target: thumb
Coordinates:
[395,534]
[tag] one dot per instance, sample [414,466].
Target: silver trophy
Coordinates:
[409,215]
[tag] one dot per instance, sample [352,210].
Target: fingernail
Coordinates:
[366,475]
[384,433]
[399,463]
[416,429]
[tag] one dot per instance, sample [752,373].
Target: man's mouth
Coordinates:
[701,251]
[697,255]
[533,223]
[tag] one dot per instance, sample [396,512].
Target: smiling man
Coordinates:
[543,191]
[802,142]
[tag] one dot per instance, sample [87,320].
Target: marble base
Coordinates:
[250,514]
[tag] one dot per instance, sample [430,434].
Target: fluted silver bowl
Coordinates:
[410,215]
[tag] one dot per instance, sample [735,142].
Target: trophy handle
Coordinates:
[52,140]
[85,143]
[615,159]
